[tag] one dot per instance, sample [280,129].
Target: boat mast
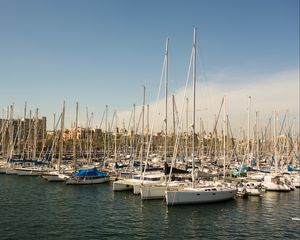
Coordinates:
[133,136]
[53,147]
[275,144]
[62,122]
[257,141]
[142,130]
[105,136]
[11,132]
[35,134]
[194,109]
[116,133]
[29,135]
[224,137]
[248,132]
[166,100]
[75,136]
[187,130]
[148,125]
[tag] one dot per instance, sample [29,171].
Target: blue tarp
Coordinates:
[90,172]
[290,168]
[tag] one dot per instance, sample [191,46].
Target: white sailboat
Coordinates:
[157,189]
[274,181]
[57,175]
[198,194]
[134,183]
[150,189]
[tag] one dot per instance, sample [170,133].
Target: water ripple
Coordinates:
[31,208]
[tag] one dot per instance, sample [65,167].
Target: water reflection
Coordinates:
[31,208]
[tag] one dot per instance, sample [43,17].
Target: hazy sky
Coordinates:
[100,52]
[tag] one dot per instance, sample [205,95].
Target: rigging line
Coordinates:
[153,117]
[181,117]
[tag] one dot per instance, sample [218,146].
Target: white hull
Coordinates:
[29,171]
[157,191]
[10,171]
[277,187]
[136,182]
[84,181]
[253,191]
[199,195]
[138,187]
[55,177]
[125,184]
[275,183]
[153,192]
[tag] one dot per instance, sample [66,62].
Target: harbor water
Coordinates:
[32,208]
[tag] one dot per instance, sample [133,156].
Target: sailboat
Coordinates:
[57,175]
[275,181]
[197,194]
[90,175]
[152,189]
[134,183]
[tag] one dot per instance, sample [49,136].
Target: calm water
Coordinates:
[31,208]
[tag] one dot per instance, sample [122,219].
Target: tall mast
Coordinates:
[194,109]
[257,141]
[90,139]
[224,137]
[62,122]
[29,135]
[275,143]
[187,130]
[24,131]
[148,126]
[54,134]
[142,129]
[166,99]
[133,147]
[11,132]
[248,132]
[35,133]
[105,136]
[116,126]
[75,135]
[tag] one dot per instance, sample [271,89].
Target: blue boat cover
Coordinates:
[290,168]
[90,172]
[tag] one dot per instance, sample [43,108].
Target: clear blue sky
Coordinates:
[101,52]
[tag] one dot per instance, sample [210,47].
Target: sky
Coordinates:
[102,52]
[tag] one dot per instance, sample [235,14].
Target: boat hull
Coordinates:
[194,196]
[88,180]
[11,171]
[27,172]
[54,177]
[253,191]
[124,185]
[277,187]
[153,192]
